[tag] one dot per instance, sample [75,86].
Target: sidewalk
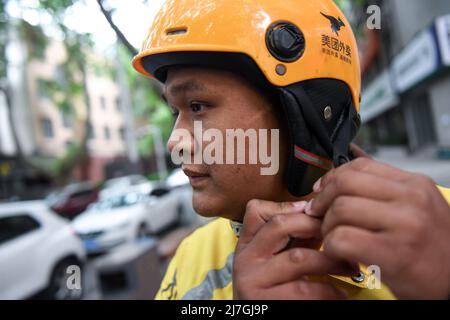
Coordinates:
[424,162]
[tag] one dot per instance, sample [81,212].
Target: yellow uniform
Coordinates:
[202,268]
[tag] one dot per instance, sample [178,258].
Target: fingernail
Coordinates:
[308,207]
[316,186]
[300,205]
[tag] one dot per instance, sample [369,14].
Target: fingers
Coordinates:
[303,290]
[259,212]
[364,165]
[351,183]
[298,262]
[354,244]
[360,212]
[275,235]
[358,152]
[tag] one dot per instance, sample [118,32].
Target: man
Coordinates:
[320,226]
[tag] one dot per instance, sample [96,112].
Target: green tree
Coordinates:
[63,92]
[146,100]
[146,94]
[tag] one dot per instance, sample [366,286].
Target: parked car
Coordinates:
[177,179]
[178,182]
[73,199]
[36,248]
[119,186]
[126,218]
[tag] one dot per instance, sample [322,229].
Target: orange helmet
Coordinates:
[302,50]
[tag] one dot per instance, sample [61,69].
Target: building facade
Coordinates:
[44,131]
[406,86]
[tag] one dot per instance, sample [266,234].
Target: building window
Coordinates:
[107,133]
[122,133]
[67,120]
[60,76]
[118,102]
[42,88]
[47,128]
[103,103]
[91,132]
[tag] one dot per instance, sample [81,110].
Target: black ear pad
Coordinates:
[317,143]
[300,175]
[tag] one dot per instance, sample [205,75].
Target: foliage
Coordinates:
[67,160]
[355,10]
[68,88]
[3,38]
[148,105]
[35,39]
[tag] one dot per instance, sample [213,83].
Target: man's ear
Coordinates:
[357,152]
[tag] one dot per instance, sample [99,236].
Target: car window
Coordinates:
[79,194]
[12,227]
[159,192]
[113,182]
[137,180]
[127,200]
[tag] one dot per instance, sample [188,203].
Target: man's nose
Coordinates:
[181,139]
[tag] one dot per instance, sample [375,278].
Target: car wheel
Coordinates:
[182,217]
[58,288]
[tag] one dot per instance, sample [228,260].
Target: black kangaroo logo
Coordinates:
[171,288]
[336,24]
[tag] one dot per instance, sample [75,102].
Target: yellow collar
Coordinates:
[360,280]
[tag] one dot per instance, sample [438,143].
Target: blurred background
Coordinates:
[85,178]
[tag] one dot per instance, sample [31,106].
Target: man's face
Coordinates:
[222,100]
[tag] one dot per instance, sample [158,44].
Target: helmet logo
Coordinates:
[285,41]
[336,23]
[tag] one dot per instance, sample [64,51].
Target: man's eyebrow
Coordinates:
[183,87]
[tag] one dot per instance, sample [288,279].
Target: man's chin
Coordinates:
[210,206]
[204,205]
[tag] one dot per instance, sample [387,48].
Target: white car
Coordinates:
[36,249]
[119,186]
[178,181]
[125,218]
[177,178]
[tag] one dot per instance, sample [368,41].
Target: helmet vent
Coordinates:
[176,31]
[285,41]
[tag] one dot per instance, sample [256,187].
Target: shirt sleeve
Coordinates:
[446,193]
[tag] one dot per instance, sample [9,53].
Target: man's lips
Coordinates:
[194,174]
[196,178]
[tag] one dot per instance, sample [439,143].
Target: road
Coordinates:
[424,162]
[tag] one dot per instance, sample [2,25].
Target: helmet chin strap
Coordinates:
[315,148]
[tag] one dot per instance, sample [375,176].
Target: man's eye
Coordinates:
[197,107]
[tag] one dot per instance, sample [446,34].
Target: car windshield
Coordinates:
[125,181]
[118,202]
[55,198]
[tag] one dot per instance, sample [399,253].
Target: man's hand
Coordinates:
[376,214]
[263,266]
[357,152]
